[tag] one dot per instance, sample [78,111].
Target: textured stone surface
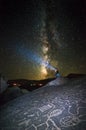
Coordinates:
[54,107]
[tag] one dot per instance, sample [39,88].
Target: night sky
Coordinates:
[38,36]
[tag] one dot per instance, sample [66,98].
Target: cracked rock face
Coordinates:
[48,108]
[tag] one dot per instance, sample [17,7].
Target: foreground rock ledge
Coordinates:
[53,107]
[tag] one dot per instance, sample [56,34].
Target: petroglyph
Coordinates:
[73,118]
[52,124]
[69,121]
[30,115]
[45,108]
[25,122]
[64,109]
[82,117]
[56,112]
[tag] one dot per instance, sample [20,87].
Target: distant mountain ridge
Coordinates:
[75,75]
[30,85]
[29,81]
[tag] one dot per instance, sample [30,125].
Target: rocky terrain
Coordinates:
[59,105]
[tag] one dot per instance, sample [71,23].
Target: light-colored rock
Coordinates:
[58,81]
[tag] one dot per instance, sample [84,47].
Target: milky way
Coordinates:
[37,37]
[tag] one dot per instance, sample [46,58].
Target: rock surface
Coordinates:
[53,107]
[11,93]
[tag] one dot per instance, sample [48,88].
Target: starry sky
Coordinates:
[39,36]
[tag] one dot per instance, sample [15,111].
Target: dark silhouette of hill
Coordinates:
[75,75]
[30,85]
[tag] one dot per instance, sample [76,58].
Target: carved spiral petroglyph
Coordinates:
[69,121]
